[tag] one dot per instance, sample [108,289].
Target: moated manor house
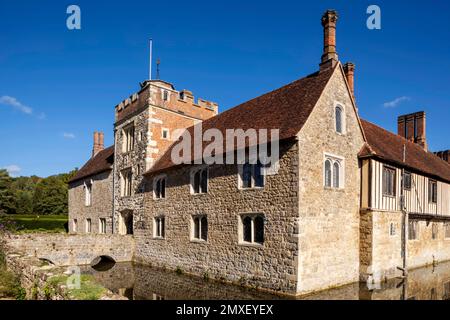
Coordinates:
[350,202]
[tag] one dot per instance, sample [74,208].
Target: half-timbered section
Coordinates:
[405,200]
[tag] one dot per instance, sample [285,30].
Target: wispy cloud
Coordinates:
[16,104]
[68,135]
[394,103]
[13,169]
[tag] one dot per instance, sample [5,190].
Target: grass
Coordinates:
[35,223]
[89,289]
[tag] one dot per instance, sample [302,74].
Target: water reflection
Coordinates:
[138,282]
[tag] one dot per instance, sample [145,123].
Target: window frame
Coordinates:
[447,230]
[88,186]
[75,225]
[415,225]
[199,218]
[193,173]
[88,226]
[253,231]
[253,180]
[165,130]
[342,107]
[126,182]
[434,231]
[405,186]
[163,193]
[102,225]
[333,160]
[432,191]
[159,227]
[128,138]
[385,188]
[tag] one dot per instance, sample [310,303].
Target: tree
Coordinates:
[50,196]
[6,196]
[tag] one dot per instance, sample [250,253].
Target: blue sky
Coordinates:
[57,86]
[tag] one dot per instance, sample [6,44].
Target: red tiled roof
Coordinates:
[286,109]
[100,163]
[389,146]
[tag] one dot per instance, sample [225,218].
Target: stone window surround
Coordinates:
[102,225]
[162,133]
[241,241]
[123,184]
[447,231]
[392,229]
[128,146]
[88,193]
[253,187]
[159,227]
[341,105]
[155,180]
[341,162]
[192,229]
[192,173]
[434,231]
[88,225]
[416,225]
[75,225]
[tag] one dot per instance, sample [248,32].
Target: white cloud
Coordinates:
[394,103]
[16,104]
[68,135]
[13,169]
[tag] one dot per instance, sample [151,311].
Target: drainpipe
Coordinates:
[404,219]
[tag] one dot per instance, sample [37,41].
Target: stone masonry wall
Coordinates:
[71,250]
[101,200]
[270,266]
[329,218]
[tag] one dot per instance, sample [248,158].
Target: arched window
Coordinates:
[339,119]
[328,173]
[336,169]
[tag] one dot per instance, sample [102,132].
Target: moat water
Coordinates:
[138,282]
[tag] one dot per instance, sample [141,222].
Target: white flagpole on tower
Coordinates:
[151,60]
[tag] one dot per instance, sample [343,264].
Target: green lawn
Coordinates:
[35,223]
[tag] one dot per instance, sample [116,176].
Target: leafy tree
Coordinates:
[6,196]
[51,196]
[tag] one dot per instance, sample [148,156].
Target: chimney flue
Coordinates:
[98,143]
[329,56]
[349,69]
[413,128]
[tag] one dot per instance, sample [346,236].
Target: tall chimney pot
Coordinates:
[413,128]
[349,69]
[98,143]
[329,56]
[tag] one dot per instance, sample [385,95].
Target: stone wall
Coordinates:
[270,266]
[328,225]
[101,203]
[381,251]
[67,250]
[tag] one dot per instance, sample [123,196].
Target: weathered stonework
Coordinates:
[328,224]
[101,204]
[269,266]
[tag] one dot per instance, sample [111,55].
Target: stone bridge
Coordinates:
[70,250]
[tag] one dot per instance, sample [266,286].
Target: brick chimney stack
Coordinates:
[99,143]
[329,57]
[413,128]
[444,155]
[349,69]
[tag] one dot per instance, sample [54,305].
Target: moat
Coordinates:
[138,282]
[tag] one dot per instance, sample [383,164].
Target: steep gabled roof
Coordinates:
[388,146]
[286,109]
[102,162]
